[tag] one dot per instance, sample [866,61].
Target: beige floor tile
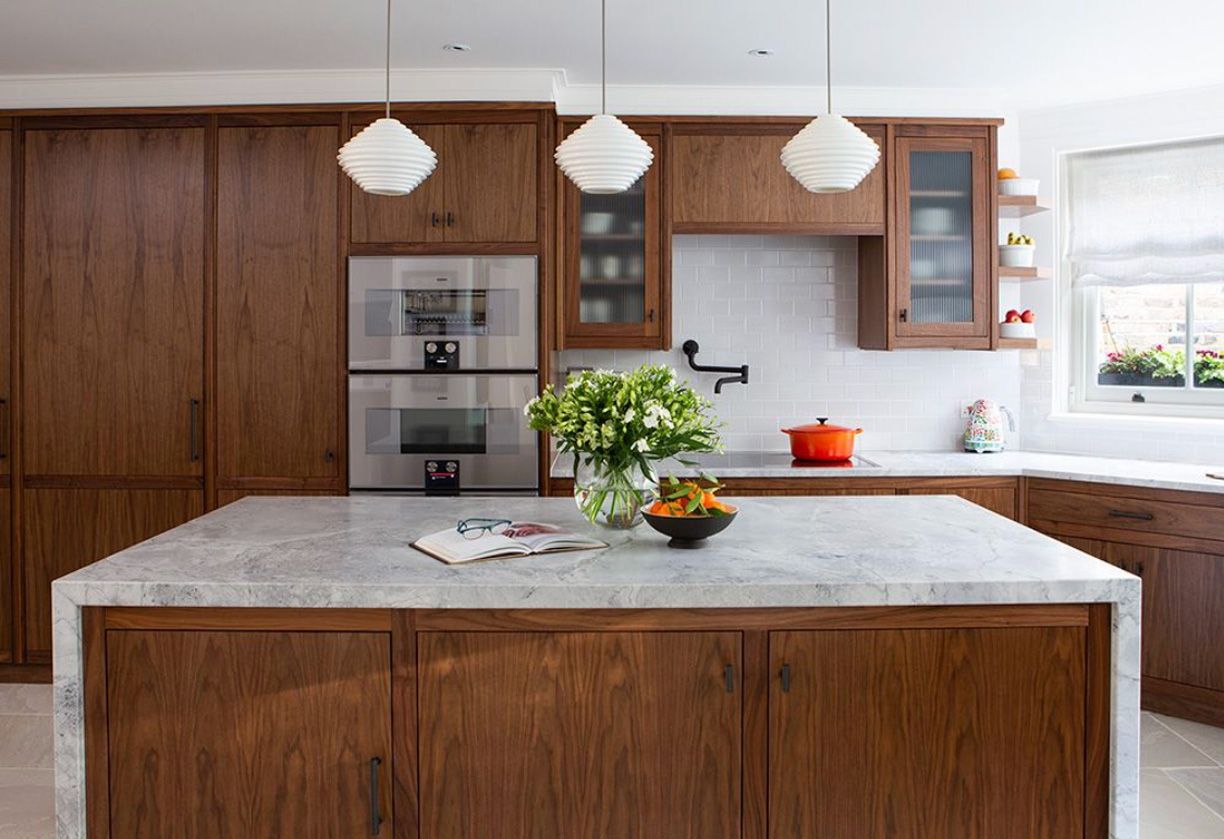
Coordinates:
[1161,748]
[25,741]
[1206,738]
[1168,811]
[1207,785]
[25,699]
[27,803]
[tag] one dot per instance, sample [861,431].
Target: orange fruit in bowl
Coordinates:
[1006,174]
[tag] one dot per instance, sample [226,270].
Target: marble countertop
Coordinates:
[1142,473]
[355,552]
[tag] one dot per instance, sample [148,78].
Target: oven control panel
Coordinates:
[441,477]
[441,355]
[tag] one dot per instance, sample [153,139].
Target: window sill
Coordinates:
[1138,421]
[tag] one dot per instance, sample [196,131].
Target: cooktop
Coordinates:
[775,460]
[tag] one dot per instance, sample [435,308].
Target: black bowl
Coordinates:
[689,531]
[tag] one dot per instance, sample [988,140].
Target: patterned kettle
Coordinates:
[984,431]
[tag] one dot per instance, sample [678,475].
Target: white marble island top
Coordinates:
[780,552]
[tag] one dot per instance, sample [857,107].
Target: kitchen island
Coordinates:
[911,666]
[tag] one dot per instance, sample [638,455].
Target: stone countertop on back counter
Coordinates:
[1104,470]
[781,552]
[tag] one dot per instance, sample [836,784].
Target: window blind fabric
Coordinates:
[1146,215]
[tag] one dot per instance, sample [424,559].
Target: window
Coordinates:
[1143,233]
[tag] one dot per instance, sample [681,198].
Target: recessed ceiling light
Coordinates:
[456,47]
[760,52]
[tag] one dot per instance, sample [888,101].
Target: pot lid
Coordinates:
[821,426]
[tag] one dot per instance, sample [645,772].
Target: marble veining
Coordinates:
[354,552]
[1187,477]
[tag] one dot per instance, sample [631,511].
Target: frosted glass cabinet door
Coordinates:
[943,264]
[612,264]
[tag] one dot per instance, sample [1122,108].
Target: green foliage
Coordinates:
[1156,362]
[618,421]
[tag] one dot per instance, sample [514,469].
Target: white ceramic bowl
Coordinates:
[1016,256]
[597,223]
[1019,186]
[1018,330]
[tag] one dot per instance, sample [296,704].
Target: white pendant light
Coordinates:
[604,155]
[830,153]
[386,157]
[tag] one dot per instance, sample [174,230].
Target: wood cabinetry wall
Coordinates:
[176,335]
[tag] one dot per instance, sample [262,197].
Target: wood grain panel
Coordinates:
[282,619]
[977,734]
[67,529]
[579,735]
[8,611]
[1001,500]
[93,700]
[419,216]
[1118,514]
[112,300]
[734,180]
[229,496]
[278,277]
[1183,612]
[251,734]
[490,183]
[6,265]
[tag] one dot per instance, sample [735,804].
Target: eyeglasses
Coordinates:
[475,528]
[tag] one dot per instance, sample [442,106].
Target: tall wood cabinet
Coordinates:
[113,302]
[7,601]
[279,283]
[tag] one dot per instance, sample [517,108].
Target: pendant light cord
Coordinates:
[828,59]
[603,56]
[388,91]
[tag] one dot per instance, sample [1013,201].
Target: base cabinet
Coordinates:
[975,722]
[249,734]
[923,733]
[580,734]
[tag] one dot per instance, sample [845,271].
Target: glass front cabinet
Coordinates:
[943,242]
[611,261]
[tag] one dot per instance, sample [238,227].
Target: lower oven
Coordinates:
[442,433]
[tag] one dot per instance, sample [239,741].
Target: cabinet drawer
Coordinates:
[1114,512]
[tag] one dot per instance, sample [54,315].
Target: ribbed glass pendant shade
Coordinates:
[830,154]
[387,158]
[604,155]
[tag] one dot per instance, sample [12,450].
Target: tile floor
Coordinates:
[1182,788]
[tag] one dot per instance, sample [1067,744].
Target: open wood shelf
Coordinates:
[1018,343]
[1017,206]
[1006,273]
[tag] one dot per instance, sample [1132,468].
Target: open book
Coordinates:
[522,538]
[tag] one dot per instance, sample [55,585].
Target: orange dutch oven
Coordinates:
[821,441]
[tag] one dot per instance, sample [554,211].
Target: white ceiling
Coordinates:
[1036,51]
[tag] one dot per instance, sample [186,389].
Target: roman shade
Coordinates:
[1147,214]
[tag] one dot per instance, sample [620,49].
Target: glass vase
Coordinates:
[612,497]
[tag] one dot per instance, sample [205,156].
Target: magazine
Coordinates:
[521,538]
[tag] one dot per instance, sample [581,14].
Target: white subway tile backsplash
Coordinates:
[788,307]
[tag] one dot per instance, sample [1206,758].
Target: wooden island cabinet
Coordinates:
[967,721]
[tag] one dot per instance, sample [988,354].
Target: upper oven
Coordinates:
[428,313]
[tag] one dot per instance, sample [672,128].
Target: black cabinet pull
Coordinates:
[650,316]
[433,219]
[376,818]
[329,456]
[729,676]
[1124,514]
[450,219]
[195,430]
[5,433]
[786,678]
[903,315]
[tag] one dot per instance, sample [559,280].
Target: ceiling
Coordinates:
[1038,52]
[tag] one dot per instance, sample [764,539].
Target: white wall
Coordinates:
[1043,136]
[787,306]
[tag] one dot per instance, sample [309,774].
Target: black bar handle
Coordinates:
[376,818]
[785,678]
[1124,514]
[195,430]
[5,433]
[433,219]
[450,219]
[729,676]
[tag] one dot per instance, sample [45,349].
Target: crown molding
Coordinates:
[266,87]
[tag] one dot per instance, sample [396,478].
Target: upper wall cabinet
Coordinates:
[279,286]
[729,178]
[112,310]
[484,190]
[612,263]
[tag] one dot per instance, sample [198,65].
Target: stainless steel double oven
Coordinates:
[442,362]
